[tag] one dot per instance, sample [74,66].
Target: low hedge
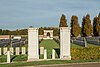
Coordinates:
[85,53]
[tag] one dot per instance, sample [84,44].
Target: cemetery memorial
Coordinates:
[33,49]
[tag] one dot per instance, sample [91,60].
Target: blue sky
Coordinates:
[18,14]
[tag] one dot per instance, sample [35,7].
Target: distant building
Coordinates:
[17,37]
[8,37]
[5,36]
[48,34]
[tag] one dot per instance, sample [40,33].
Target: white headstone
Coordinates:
[0,51]
[8,56]
[17,50]
[41,50]
[53,54]
[12,50]
[45,54]
[23,50]
[65,43]
[33,49]
[5,50]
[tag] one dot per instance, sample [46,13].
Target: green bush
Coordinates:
[85,53]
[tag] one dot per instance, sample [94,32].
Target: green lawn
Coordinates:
[49,45]
[35,63]
[14,58]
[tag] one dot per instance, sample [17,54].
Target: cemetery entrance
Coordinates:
[33,44]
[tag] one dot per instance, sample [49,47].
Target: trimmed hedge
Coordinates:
[85,53]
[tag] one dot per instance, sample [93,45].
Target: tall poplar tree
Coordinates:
[75,27]
[63,21]
[87,29]
[96,25]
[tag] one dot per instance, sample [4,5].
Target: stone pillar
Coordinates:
[53,54]
[5,50]
[17,51]
[41,50]
[23,50]
[12,50]
[33,49]
[8,56]
[45,54]
[0,51]
[65,43]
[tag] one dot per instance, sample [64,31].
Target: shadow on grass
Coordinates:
[13,57]
[57,50]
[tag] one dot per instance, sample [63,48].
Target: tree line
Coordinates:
[87,29]
[25,31]
[14,32]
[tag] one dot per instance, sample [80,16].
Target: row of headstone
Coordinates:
[17,51]
[93,42]
[44,51]
[87,38]
[93,38]
[80,38]
[45,54]
[81,43]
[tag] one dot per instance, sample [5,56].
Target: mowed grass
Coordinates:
[49,44]
[48,62]
[14,58]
